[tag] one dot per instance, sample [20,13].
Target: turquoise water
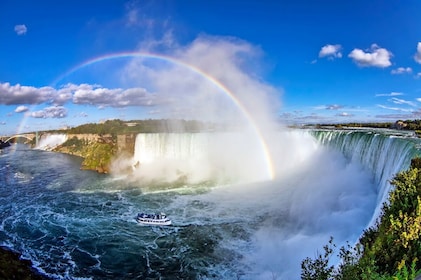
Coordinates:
[76,224]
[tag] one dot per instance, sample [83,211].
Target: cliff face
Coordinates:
[98,150]
[126,144]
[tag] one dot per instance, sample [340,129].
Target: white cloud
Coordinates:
[333,107]
[345,114]
[402,70]
[17,94]
[374,57]
[21,29]
[331,51]
[417,56]
[390,94]
[104,97]
[21,109]
[394,108]
[80,94]
[402,101]
[50,112]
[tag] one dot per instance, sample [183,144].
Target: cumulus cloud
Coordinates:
[50,112]
[21,109]
[331,51]
[17,94]
[374,57]
[417,56]
[104,97]
[21,29]
[94,95]
[402,70]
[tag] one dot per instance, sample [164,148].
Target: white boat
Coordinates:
[153,219]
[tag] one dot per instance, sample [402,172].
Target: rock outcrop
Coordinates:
[98,150]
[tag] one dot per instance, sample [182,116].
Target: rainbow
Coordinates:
[212,80]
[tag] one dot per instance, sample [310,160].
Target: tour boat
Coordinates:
[153,219]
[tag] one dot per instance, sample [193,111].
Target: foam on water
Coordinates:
[80,225]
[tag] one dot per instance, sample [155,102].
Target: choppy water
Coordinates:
[76,224]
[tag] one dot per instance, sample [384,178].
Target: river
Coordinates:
[75,224]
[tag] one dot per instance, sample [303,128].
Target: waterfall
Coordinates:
[384,153]
[49,141]
[176,146]
[198,157]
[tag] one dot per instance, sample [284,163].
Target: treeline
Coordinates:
[389,250]
[399,124]
[368,125]
[414,125]
[140,126]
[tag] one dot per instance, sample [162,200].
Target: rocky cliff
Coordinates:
[98,150]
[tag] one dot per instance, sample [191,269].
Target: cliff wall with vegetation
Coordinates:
[99,143]
[98,150]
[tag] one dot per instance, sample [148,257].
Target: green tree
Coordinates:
[391,250]
[319,268]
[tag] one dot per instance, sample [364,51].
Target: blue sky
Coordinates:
[298,61]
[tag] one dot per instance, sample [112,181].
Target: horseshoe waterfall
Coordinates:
[228,220]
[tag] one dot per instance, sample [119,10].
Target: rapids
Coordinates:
[77,224]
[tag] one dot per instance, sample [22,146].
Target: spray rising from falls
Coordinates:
[49,141]
[196,157]
[384,154]
[258,230]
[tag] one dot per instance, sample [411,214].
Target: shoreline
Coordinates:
[13,267]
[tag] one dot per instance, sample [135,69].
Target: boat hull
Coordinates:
[153,219]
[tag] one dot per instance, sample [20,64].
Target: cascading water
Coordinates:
[384,153]
[50,141]
[80,224]
[198,157]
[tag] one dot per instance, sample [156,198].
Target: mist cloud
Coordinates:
[226,64]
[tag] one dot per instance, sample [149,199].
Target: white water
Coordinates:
[316,193]
[383,153]
[234,226]
[198,157]
[50,141]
